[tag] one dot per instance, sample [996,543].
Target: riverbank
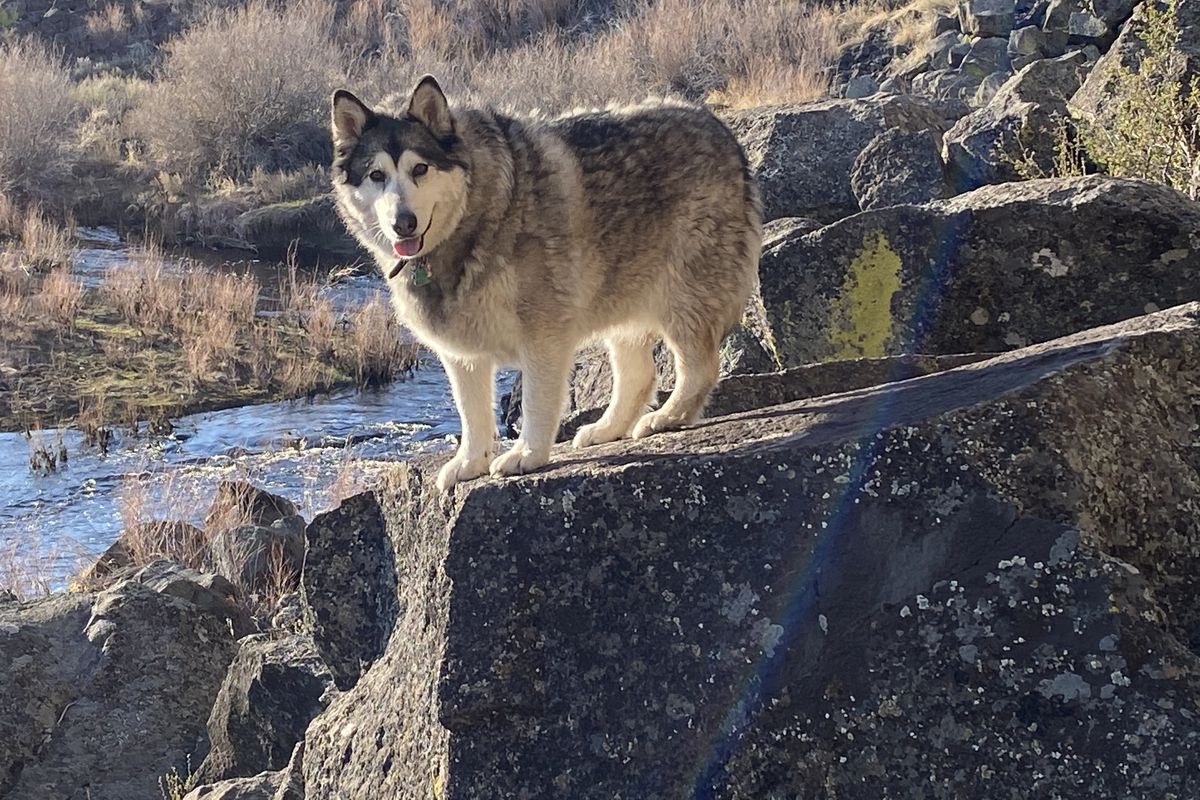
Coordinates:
[154,338]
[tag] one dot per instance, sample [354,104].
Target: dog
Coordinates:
[514,241]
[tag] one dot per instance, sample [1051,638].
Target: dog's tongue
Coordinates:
[406,248]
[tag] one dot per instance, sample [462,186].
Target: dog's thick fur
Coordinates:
[523,239]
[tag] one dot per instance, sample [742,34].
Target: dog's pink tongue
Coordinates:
[406,248]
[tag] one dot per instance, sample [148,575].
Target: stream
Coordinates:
[310,451]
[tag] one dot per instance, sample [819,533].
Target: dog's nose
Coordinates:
[406,223]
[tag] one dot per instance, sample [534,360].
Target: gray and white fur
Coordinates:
[515,241]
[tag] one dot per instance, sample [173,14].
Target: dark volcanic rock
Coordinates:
[991,270]
[898,168]
[980,583]
[348,587]
[273,689]
[284,784]
[1094,100]
[803,154]
[239,503]
[737,393]
[101,694]
[1023,120]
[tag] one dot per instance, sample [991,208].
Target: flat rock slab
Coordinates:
[995,269]
[980,582]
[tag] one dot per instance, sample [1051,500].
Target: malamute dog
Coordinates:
[515,241]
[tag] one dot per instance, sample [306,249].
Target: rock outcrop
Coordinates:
[103,693]
[994,269]
[803,154]
[978,582]
[1019,129]
[273,689]
[1094,99]
[348,587]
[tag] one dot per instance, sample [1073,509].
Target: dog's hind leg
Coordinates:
[697,367]
[474,386]
[632,359]
[543,399]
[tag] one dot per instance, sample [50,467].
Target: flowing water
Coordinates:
[307,451]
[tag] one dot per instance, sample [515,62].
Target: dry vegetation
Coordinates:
[234,116]
[155,340]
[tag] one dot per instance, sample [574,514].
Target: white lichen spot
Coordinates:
[823,621]
[1049,262]
[905,612]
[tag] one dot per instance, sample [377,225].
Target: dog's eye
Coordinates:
[377,176]
[419,170]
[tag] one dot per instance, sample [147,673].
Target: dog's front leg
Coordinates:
[474,384]
[543,400]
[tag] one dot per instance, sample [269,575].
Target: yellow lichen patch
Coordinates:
[861,316]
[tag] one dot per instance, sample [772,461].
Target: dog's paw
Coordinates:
[461,468]
[656,422]
[596,433]
[518,461]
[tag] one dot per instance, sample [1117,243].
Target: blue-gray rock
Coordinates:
[100,694]
[897,168]
[1113,12]
[1094,100]
[982,555]
[985,57]
[803,154]
[272,691]
[861,86]
[1023,122]
[994,269]
[986,17]
[348,587]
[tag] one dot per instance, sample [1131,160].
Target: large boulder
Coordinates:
[100,694]
[1023,122]
[1094,100]
[898,168]
[348,587]
[273,689]
[979,582]
[803,154]
[990,270]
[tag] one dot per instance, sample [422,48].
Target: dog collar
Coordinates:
[420,271]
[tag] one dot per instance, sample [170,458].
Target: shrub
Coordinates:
[1153,131]
[244,88]
[37,113]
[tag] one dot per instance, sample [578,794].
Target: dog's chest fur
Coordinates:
[454,315]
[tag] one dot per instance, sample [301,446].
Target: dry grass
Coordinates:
[157,340]
[245,87]
[378,351]
[30,568]
[45,243]
[554,56]
[37,113]
[60,297]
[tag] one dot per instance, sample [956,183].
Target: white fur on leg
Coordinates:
[473,384]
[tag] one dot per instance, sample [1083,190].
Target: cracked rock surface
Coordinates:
[977,583]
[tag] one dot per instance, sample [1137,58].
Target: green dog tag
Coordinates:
[420,275]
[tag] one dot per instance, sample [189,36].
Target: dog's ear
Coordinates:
[350,116]
[429,107]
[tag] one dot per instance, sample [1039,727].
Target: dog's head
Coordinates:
[402,178]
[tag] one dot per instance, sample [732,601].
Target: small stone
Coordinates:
[987,17]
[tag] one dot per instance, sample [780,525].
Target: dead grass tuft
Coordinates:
[37,113]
